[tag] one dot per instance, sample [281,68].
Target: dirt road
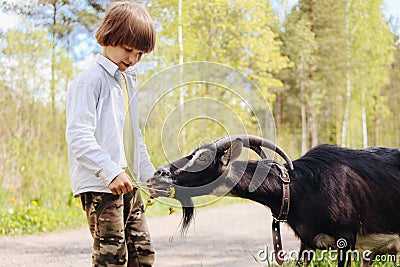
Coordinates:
[227,236]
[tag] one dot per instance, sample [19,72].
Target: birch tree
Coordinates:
[301,47]
[371,53]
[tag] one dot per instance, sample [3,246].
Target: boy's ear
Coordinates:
[233,152]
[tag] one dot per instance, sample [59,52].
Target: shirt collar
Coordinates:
[107,64]
[111,67]
[130,71]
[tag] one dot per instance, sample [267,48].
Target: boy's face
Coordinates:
[123,56]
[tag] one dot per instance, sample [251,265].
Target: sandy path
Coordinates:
[230,235]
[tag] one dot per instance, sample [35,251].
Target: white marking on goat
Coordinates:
[167,179]
[191,162]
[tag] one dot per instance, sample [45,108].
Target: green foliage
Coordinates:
[33,155]
[327,259]
[238,34]
[341,52]
[29,218]
[372,53]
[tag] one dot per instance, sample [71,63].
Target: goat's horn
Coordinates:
[251,140]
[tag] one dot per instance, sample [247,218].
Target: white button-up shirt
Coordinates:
[95,122]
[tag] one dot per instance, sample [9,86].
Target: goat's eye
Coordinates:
[203,159]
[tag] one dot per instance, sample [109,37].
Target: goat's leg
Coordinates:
[368,259]
[367,262]
[345,243]
[342,257]
[396,251]
[304,260]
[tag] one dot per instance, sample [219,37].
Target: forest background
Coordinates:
[329,70]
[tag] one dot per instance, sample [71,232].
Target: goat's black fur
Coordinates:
[334,191]
[357,189]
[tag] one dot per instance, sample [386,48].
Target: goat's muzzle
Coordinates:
[160,185]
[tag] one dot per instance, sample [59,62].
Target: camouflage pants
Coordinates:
[119,229]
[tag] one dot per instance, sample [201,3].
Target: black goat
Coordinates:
[335,193]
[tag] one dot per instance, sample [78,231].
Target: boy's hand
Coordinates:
[121,184]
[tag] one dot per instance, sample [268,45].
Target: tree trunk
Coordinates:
[364,120]
[278,112]
[377,121]
[313,128]
[395,90]
[396,128]
[53,61]
[303,129]
[344,141]
[181,89]
[338,116]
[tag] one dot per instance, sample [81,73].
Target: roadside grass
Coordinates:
[31,218]
[322,260]
[331,263]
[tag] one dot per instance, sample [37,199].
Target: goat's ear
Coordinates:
[233,152]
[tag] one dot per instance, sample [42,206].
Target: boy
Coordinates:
[105,147]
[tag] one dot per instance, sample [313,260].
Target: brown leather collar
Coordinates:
[282,217]
[283,211]
[285,204]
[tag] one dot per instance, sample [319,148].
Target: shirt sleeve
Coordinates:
[81,102]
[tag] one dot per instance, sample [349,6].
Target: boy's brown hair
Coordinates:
[127,24]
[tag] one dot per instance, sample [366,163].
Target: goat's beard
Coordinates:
[188,213]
